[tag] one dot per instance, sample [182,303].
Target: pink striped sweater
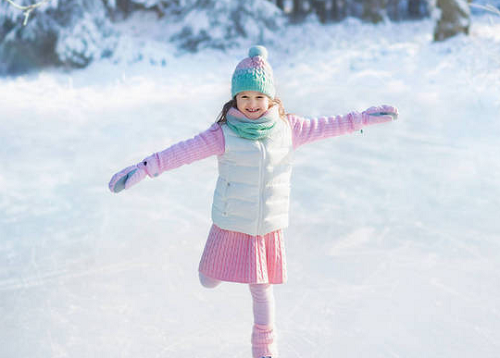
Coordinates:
[211,141]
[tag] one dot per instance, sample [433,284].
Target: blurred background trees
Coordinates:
[74,33]
[454,19]
[368,10]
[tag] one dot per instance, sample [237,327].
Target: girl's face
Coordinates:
[252,104]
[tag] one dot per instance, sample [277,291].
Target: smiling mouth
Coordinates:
[252,110]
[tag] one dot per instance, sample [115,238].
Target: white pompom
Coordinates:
[258,51]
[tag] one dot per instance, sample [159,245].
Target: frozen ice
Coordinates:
[393,247]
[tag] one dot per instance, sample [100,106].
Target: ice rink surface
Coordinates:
[394,244]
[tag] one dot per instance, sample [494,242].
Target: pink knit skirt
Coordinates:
[238,257]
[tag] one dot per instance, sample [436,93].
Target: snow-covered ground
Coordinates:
[394,243]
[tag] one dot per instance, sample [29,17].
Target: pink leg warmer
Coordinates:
[263,335]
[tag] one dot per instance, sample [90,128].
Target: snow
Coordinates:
[85,42]
[393,247]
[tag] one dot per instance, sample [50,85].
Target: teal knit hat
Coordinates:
[254,74]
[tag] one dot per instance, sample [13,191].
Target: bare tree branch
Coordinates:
[27,9]
[488,7]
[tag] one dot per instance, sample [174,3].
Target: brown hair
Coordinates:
[221,118]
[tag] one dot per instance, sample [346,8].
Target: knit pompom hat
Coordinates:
[254,74]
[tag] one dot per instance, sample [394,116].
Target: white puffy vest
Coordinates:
[253,188]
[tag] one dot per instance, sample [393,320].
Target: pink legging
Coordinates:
[263,335]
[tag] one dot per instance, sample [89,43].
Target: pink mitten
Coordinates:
[134,174]
[126,178]
[380,114]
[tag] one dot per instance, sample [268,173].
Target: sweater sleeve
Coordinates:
[201,146]
[310,130]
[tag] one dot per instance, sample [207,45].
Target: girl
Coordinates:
[253,140]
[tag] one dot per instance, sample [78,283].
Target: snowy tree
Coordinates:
[338,9]
[414,8]
[28,9]
[161,7]
[223,23]
[70,32]
[454,19]
[319,7]
[374,10]
[74,33]
[89,38]
[488,6]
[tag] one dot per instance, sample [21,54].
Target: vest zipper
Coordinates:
[226,188]
[261,175]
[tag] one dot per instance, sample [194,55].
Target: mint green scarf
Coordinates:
[253,129]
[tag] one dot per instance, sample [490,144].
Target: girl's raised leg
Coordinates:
[208,282]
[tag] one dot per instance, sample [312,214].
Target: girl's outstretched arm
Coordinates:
[310,130]
[203,145]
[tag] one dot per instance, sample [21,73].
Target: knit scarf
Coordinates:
[253,129]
